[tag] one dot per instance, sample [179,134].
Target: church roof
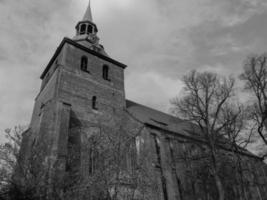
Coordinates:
[161,120]
[165,122]
[88,14]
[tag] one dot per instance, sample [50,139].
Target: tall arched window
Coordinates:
[106,72]
[94,103]
[83,29]
[84,63]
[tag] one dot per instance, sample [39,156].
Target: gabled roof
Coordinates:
[161,120]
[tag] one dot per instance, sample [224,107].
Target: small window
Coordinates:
[84,63]
[83,29]
[89,29]
[94,103]
[106,72]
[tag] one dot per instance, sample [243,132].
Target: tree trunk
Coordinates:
[260,129]
[218,182]
[219,186]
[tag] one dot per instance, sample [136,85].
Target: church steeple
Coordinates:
[86,26]
[86,32]
[88,14]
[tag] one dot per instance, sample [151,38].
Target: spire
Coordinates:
[88,14]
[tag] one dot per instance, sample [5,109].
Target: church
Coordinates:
[86,141]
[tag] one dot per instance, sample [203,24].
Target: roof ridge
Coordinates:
[159,111]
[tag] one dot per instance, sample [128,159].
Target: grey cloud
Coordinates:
[217,44]
[185,35]
[3,55]
[159,41]
[231,13]
[26,26]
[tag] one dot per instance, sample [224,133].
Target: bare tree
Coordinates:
[115,169]
[205,101]
[22,177]
[125,177]
[124,172]
[9,152]
[255,78]
[238,136]
[9,163]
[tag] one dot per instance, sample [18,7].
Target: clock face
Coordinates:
[92,38]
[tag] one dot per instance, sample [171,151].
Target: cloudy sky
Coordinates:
[159,41]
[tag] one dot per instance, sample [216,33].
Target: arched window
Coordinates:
[106,72]
[89,29]
[94,103]
[84,63]
[83,29]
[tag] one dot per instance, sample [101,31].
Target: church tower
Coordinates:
[82,90]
